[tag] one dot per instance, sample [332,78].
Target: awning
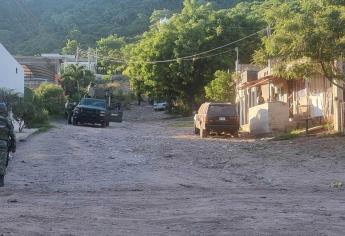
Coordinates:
[255,83]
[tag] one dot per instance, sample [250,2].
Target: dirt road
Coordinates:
[151,176]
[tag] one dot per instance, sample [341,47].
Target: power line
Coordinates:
[185,59]
[193,57]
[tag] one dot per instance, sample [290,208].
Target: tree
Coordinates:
[307,37]
[70,47]
[196,29]
[109,51]
[159,15]
[75,79]
[222,88]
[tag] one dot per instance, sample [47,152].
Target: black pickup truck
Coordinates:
[92,111]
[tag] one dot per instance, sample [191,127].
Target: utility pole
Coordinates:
[96,65]
[77,56]
[96,56]
[269,66]
[237,60]
[269,33]
[89,58]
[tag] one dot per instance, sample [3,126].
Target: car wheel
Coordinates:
[203,133]
[104,124]
[196,130]
[107,124]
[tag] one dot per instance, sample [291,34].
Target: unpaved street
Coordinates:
[152,177]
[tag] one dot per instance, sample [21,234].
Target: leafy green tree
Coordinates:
[109,51]
[70,48]
[159,15]
[222,88]
[75,80]
[307,37]
[197,28]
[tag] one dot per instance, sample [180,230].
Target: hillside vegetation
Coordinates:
[30,27]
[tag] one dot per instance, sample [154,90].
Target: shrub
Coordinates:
[51,97]
[8,96]
[124,98]
[28,111]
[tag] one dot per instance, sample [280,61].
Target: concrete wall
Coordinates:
[259,119]
[248,76]
[269,117]
[11,72]
[264,72]
[279,116]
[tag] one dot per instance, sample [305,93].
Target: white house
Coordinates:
[11,72]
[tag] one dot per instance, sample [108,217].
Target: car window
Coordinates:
[222,110]
[92,102]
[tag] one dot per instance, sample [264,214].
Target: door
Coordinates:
[115,112]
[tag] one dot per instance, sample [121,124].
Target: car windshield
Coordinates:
[222,110]
[93,102]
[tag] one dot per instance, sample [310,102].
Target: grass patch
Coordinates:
[184,122]
[290,135]
[42,128]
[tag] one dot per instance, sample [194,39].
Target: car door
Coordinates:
[115,112]
[199,116]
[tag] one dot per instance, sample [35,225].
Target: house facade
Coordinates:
[11,72]
[89,63]
[269,104]
[38,70]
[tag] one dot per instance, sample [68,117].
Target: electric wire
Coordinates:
[193,57]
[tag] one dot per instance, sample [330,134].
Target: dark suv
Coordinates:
[93,111]
[216,117]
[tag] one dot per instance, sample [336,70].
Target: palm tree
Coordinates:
[74,77]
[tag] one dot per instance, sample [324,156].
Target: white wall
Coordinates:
[11,72]
[269,117]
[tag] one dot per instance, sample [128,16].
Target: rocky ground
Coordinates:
[151,176]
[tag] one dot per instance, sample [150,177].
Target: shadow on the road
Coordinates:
[212,137]
[88,125]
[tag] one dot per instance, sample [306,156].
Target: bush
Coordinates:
[51,97]
[29,112]
[124,98]
[8,96]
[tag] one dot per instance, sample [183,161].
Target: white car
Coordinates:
[159,105]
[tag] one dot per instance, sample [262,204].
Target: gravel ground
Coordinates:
[149,176]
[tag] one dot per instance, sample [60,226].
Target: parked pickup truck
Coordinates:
[92,111]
